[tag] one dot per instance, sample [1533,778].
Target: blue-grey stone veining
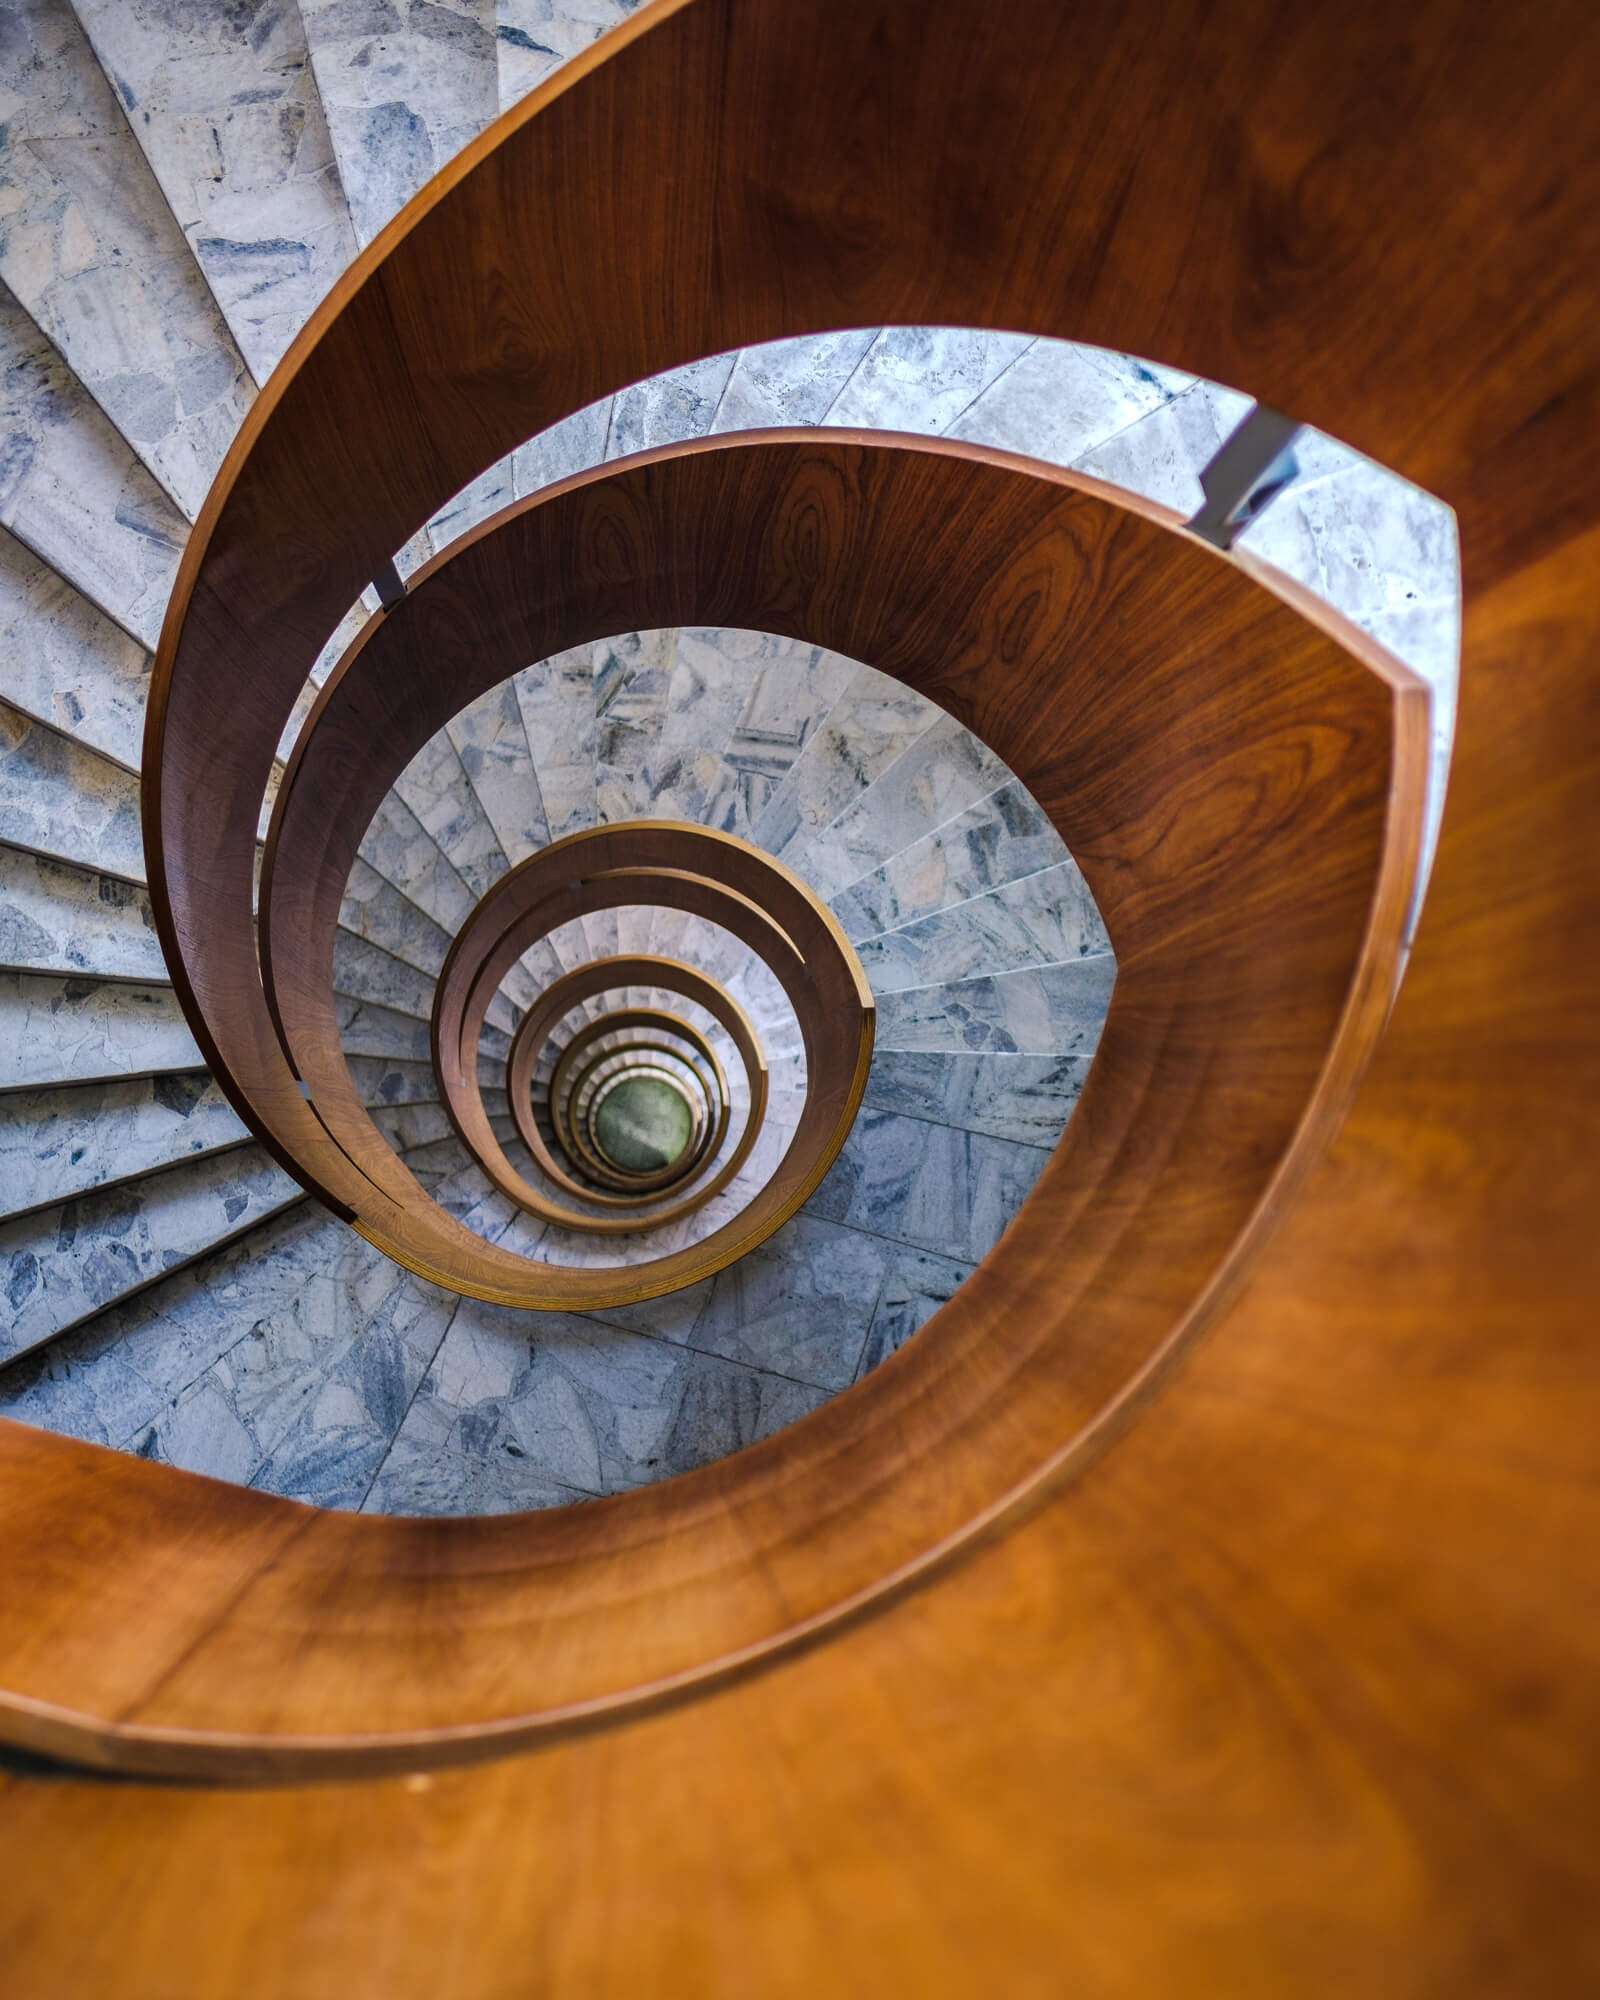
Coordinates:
[60,798]
[66,1141]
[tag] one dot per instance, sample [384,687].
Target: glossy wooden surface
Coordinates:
[1294,1690]
[1243,794]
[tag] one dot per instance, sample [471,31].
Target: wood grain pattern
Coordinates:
[1294,1690]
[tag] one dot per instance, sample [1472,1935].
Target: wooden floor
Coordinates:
[1293,1686]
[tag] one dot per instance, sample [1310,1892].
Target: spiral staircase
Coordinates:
[563,826]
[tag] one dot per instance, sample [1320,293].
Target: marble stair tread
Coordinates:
[61,799]
[435,787]
[64,1142]
[491,742]
[405,85]
[374,909]
[784,383]
[533,38]
[226,111]
[1025,1098]
[1057,401]
[93,253]
[925,379]
[868,727]
[632,677]
[999,839]
[1040,919]
[407,1126]
[935,1187]
[1042,1010]
[60,1264]
[286,1360]
[556,698]
[58,1029]
[58,917]
[379,1082]
[66,664]
[399,848]
[74,493]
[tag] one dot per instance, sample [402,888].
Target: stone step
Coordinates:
[94,256]
[58,917]
[57,1029]
[226,112]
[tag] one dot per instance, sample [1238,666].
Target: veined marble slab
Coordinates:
[64,662]
[375,909]
[405,84]
[68,1030]
[62,799]
[567,1402]
[1027,1099]
[556,697]
[401,850]
[534,37]
[55,1144]
[435,787]
[632,675]
[364,972]
[1046,1010]
[925,378]
[61,1264]
[223,104]
[916,1285]
[1040,919]
[998,840]
[91,250]
[933,1186]
[407,1126]
[572,445]
[366,1029]
[1161,454]
[945,770]
[492,744]
[870,724]
[667,408]
[73,492]
[790,382]
[1059,400]
[338,644]
[379,1082]
[55,917]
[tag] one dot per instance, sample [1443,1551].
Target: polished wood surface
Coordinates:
[1294,1690]
[653,1033]
[1244,796]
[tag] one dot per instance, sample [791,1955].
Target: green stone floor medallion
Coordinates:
[642,1123]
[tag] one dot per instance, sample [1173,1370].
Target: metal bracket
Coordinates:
[391,591]
[1250,469]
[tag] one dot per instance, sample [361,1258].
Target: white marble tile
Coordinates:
[73,492]
[916,1285]
[924,378]
[406,1126]
[435,787]
[221,99]
[91,250]
[790,382]
[667,408]
[375,910]
[1161,455]
[64,662]
[484,496]
[363,971]
[632,675]
[366,1029]
[933,1186]
[1047,1010]
[61,1264]
[60,798]
[405,84]
[556,698]
[60,1030]
[573,445]
[534,37]
[401,850]
[1000,839]
[1040,919]
[1020,1097]
[63,1142]
[941,773]
[58,918]
[1059,401]
[379,1082]
[871,723]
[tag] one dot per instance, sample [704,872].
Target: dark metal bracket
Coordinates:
[1250,469]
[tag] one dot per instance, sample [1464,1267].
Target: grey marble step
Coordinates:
[405,84]
[61,1264]
[65,663]
[1041,1010]
[57,1029]
[1041,919]
[1024,1098]
[533,38]
[57,917]
[92,252]
[62,1143]
[223,104]
[62,799]
[73,492]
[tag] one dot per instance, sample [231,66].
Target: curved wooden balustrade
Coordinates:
[571,1076]
[457,1069]
[1243,794]
[1295,1689]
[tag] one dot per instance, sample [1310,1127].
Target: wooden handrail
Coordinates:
[715,1105]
